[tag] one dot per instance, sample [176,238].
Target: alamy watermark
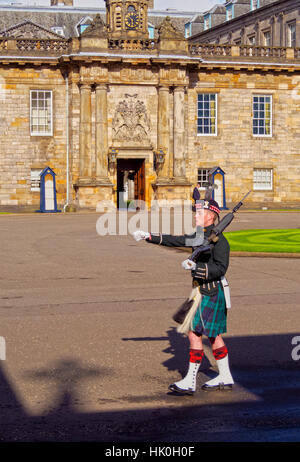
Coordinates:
[163,216]
[296,349]
[2,349]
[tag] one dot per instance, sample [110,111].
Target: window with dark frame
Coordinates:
[203,177]
[291,34]
[262,115]
[207,114]
[41,113]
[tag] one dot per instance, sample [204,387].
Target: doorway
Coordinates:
[130,181]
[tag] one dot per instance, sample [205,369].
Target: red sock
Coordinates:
[220,353]
[196,355]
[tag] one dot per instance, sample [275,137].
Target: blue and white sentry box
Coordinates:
[217,178]
[48,202]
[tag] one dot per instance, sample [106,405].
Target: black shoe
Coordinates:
[219,387]
[173,387]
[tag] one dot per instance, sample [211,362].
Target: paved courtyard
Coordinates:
[91,346]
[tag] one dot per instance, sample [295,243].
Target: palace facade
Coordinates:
[117,109]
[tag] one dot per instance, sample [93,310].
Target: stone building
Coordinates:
[253,22]
[113,110]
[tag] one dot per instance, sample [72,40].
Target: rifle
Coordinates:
[216,231]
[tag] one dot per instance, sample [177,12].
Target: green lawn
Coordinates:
[265,240]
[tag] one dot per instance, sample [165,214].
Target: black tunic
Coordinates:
[210,266]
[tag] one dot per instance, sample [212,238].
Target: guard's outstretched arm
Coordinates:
[164,239]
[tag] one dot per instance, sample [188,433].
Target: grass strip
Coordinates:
[265,240]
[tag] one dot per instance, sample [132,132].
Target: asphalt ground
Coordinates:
[91,346]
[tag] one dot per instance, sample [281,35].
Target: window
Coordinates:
[263,179]
[255,4]
[187,30]
[262,115]
[252,40]
[41,113]
[229,13]
[207,114]
[83,24]
[267,38]
[203,177]
[35,179]
[151,31]
[291,34]
[58,30]
[82,27]
[207,21]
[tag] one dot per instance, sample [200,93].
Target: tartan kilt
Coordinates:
[211,316]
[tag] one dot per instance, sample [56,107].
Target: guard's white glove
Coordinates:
[140,235]
[188,265]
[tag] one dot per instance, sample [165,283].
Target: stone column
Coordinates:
[85,141]
[257,34]
[163,129]
[179,134]
[101,132]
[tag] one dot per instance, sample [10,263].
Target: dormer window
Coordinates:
[255,4]
[83,24]
[207,21]
[229,12]
[151,30]
[188,30]
[58,30]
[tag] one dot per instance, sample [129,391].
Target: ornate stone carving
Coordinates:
[131,122]
[96,29]
[168,31]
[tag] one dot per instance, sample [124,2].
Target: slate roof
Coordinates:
[69,18]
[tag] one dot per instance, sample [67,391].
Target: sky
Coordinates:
[181,5]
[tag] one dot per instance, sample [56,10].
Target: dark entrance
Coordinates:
[130,180]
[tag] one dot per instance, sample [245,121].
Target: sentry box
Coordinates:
[217,178]
[48,202]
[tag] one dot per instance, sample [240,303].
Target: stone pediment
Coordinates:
[29,30]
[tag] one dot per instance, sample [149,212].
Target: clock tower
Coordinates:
[127,19]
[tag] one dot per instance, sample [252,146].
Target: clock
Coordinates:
[132,20]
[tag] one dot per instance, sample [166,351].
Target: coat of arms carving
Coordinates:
[131,122]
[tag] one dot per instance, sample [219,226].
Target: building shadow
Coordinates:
[262,366]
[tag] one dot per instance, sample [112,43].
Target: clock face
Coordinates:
[132,20]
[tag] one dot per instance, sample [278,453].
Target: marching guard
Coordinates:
[208,312]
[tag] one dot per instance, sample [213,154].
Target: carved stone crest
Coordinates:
[131,123]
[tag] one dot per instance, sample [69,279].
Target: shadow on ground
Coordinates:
[262,366]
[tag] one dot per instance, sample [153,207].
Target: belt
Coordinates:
[206,285]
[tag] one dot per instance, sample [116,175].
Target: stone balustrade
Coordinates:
[243,51]
[33,46]
[132,45]
[207,49]
[3,44]
[51,46]
[58,47]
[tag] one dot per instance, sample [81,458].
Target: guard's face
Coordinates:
[205,217]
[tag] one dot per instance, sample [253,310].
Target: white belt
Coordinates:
[226,291]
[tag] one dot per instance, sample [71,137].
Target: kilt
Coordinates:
[211,316]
